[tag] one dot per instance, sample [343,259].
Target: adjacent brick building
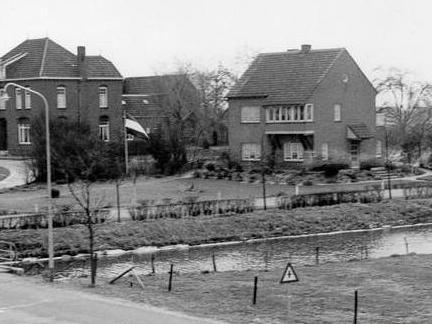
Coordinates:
[152,99]
[77,87]
[301,104]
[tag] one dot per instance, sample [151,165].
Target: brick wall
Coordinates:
[82,102]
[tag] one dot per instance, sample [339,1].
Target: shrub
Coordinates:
[332,168]
[307,183]
[371,163]
[210,166]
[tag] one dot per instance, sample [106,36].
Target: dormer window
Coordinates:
[18,98]
[61,97]
[103,97]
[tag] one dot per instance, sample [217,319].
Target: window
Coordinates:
[251,152]
[378,149]
[27,99]
[324,151]
[61,97]
[2,102]
[103,97]
[337,112]
[309,112]
[24,131]
[250,114]
[380,119]
[293,151]
[18,98]
[104,129]
[287,114]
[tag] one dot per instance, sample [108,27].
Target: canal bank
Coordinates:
[130,235]
[391,290]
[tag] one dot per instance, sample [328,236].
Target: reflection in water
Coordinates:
[275,253]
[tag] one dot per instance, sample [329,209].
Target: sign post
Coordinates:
[289,276]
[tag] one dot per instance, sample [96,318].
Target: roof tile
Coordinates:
[285,77]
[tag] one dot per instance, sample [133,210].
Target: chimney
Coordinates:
[81,62]
[305,48]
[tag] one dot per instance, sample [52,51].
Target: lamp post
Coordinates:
[48,166]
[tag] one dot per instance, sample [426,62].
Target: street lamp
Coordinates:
[48,166]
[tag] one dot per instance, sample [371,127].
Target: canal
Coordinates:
[274,253]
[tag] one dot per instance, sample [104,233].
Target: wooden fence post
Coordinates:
[214,263]
[355,306]
[170,277]
[255,290]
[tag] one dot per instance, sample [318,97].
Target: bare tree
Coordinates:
[407,105]
[213,87]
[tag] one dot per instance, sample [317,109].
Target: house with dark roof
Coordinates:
[299,105]
[152,99]
[76,86]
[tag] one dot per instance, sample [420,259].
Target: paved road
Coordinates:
[24,301]
[18,173]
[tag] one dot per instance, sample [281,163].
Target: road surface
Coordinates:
[25,301]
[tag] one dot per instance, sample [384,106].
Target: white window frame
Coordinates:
[337,108]
[325,151]
[250,114]
[289,114]
[24,133]
[61,97]
[380,119]
[27,99]
[104,131]
[18,98]
[251,152]
[293,151]
[103,97]
[2,102]
[379,149]
[308,113]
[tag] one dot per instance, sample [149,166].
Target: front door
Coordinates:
[3,134]
[354,153]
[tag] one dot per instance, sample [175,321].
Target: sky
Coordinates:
[152,37]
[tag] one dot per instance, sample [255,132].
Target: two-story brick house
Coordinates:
[300,104]
[77,87]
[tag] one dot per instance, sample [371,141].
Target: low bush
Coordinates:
[371,163]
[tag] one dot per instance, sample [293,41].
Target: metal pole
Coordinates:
[49,185]
[263,172]
[126,144]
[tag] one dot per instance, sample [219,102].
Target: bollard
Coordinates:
[170,277]
[255,290]
[214,263]
[317,256]
[406,245]
[152,263]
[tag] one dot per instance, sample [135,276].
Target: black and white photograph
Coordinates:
[215,162]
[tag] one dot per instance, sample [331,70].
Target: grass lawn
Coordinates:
[4,173]
[391,290]
[29,198]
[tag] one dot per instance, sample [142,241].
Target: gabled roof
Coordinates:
[151,85]
[285,77]
[46,58]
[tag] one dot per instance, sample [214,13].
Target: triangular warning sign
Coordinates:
[289,275]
